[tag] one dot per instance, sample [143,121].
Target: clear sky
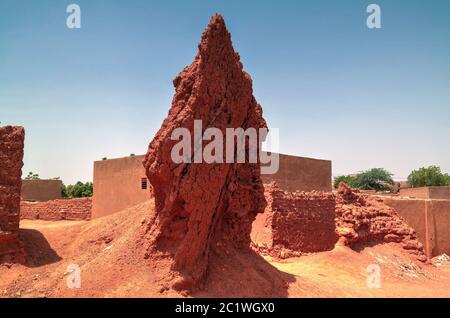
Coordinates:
[336,89]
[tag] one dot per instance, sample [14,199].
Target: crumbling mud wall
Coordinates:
[364,220]
[205,208]
[11,162]
[295,222]
[55,210]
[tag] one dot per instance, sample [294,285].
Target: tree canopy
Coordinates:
[78,190]
[431,176]
[373,179]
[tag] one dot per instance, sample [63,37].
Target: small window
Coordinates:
[144,183]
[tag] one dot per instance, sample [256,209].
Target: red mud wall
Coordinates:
[442,193]
[11,156]
[301,174]
[430,219]
[297,221]
[363,220]
[67,209]
[41,190]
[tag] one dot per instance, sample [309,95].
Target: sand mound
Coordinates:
[112,253]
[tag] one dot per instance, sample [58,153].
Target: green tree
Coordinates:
[78,190]
[64,192]
[373,179]
[431,176]
[348,179]
[32,176]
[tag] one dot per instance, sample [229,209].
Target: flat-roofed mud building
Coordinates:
[121,183]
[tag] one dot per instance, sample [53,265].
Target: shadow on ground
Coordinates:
[38,251]
[245,274]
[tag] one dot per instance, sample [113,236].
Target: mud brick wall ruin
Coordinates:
[55,210]
[363,219]
[11,162]
[295,222]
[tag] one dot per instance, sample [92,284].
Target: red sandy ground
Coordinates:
[113,264]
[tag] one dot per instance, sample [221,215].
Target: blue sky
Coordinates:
[336,89]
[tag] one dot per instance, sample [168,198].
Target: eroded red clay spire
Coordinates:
[205,208]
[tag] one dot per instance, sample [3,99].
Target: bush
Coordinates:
[428,177]
[373,179]
[78,190]
[32,176]
[348,179]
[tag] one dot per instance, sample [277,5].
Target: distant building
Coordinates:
[121,183]
[41,190]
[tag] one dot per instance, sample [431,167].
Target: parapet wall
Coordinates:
[55,210]
[301,174]
[302,222]
[440,193]
[11,162]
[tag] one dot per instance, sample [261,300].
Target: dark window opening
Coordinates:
[144,183]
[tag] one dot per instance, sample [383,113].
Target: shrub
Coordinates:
[32,176]
[373,179]
[348,179]
[431,176]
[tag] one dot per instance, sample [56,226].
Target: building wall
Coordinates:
[11,162]
[302,174]
[55,210]
[439,225]
[118,185]
[41,190]
[431,220]
[117,182]
[442,193]
[297,221]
